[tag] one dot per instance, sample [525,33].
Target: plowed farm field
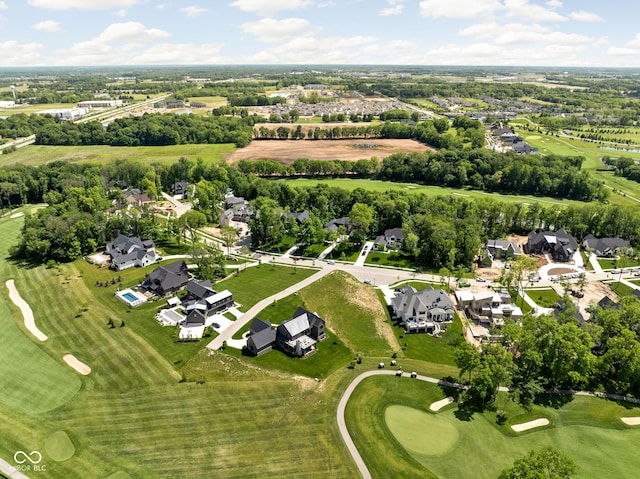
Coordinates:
[287,151]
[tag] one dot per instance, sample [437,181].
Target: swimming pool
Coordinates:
[131,297]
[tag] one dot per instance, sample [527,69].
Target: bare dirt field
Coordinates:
[558,271]
[287,151]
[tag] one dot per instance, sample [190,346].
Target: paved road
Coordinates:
[249,315]
[10,471]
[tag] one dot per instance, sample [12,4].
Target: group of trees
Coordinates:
[545,352]
[626,167]
[148,130]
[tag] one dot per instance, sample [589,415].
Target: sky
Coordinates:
[572,33]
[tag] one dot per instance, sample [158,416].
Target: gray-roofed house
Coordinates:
[298,336]
[607,303]
[180,188]
[391,239]
[300,218]
[167,279]
[198,290]
[336,223]
[129,251]
[560,244]
[419,310]
[262,337]
[497,249]
[605,247]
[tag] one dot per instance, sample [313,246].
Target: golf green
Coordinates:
[419,432]
[59,446]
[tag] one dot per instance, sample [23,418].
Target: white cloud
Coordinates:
[330,50]
[458,9]
[535,13]
[193,11]
[269,7]
[47,26]
[270,30]
[635,42]
[130,31]
[83,4]
[554,4]
[3,6]
[180,53]
[519,33]
[121,13]
[588,17]
[620,52]
[21,54]
[395,8]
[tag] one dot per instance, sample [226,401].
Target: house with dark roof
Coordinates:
[298,336]
[300,218]
[560,244]
[605,247]
[607,303]
[129,251]
[391,239]
[497,249]
[417,311]
[181,189]
[167,279]
[202,302]
[336,223]
[523,148]
[262,337]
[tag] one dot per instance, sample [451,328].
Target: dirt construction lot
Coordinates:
[287,151]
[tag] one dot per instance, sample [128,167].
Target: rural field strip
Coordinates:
[357,458]
[29,321]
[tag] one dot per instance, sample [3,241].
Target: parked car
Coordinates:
[480,279]
[367,281]
[331,262]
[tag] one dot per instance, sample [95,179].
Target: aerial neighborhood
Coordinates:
[397,265]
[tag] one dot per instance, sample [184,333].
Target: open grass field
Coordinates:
[383,409]
[547,297]
[29,109]
[37,154]
[376,185]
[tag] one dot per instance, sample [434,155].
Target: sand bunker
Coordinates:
[76,364]
[436,406]
[29,321]
[530,425]
[17,215]
[631,421]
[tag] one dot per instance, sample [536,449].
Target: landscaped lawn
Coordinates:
[312,250]
[427,348]
[250,285]
[621,289]
[606,263]
[478,447]
[397,259]
[544,297]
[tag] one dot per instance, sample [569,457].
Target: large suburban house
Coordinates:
[202,301]
[297,336]
[560,244]
[262,337]
[417,311]
[129,251]
[181,189]
[167,279]
[391,239]
[497,249]
[136,197]
[300,218]
[336,223]
[605,247]
[236,209]
[488,306]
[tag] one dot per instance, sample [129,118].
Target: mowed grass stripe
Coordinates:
[117,357]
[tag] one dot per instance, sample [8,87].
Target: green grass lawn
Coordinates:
[454,446]
[546,297]
[621,289]
[35,108]
[312,250]
[427,348]
[59,446]
[606,263]
[251,285]
[37,154]
[376,185]
[397,259]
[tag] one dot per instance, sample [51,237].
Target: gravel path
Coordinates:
[29,321]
